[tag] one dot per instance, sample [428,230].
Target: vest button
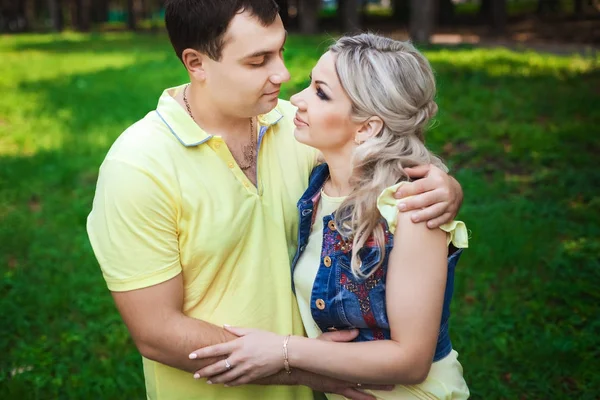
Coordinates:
[331,225]
[327,261]
[320,304]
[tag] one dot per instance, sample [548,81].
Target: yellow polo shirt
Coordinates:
[171,199]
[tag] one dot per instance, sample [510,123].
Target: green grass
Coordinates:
[520,131]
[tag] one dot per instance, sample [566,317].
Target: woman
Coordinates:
[360,263]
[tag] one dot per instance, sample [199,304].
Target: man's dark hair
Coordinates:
[201,24]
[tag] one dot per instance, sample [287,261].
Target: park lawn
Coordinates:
[519,131]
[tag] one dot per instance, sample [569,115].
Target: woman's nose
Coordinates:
[297,101]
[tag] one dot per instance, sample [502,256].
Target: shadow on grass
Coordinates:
[526,291]
[97,43]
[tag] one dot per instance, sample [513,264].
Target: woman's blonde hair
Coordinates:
[393,81]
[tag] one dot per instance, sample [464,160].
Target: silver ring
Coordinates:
[227,365]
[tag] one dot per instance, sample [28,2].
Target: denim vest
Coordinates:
[339,300]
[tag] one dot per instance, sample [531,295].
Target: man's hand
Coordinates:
[436,195]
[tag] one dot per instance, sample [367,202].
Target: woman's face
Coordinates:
[323,119]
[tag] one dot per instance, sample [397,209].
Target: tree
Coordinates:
[422,17]
[80,14]
[283,11]
[400,10]
[100,10]
[349,14]
[545,6]
[485,9]
[498,16]
[308,14]
[131,17]
[445,11]
[56,15]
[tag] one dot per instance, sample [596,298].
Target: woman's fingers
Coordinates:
[228,376]
[238,331]
[214,351]
[242,380]
[214,369]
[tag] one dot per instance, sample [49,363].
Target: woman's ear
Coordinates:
[370,128]
[194,63]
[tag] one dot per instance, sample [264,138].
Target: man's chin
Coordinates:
[265,108]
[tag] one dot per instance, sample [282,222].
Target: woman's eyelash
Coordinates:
[322,95]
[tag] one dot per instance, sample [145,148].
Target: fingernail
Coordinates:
[193,356]
[415,217]
[209,382]
[402,206]
[196,376]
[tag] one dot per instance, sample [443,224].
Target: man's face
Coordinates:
[247,79]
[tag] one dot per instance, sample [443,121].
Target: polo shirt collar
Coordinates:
[183,127]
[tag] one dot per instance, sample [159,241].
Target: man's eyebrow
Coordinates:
[262,53]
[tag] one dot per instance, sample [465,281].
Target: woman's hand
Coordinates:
[255,354]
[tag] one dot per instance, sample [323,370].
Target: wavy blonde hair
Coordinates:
[392,80]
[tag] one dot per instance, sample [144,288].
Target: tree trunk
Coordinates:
[284,11]
[547,5]
[85,9]
[55,7]
[445,12]
[99,11]
[131,20]
[498,17]
[350,16]
[422,16]
[80,15]
[30,13]
[308,13]
[401,10]
[578,7]
[485,10]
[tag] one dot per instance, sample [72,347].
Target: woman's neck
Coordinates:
[340,171]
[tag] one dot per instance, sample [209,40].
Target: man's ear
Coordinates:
[194,62]
[370,128]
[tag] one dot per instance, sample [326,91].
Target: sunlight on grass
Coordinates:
[499,62]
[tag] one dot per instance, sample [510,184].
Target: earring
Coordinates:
[357,141]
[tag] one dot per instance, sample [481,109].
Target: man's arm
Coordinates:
[436,195]
[164,334]
[159,328]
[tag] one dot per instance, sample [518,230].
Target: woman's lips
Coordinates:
[299,122]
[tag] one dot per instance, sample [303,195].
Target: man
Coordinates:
[194,219]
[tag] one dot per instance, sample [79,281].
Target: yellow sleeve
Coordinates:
[133,228]
[387,204]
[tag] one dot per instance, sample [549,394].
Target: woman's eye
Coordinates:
[322,94]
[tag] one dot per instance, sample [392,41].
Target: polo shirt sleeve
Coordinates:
[133,228]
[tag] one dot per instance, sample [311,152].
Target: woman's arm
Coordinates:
[415,287]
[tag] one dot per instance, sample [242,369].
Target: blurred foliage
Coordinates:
[518,129]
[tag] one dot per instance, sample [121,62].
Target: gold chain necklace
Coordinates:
[247,151]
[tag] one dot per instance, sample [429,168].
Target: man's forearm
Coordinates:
[172,343]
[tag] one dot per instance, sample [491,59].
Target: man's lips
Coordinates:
[275,92]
